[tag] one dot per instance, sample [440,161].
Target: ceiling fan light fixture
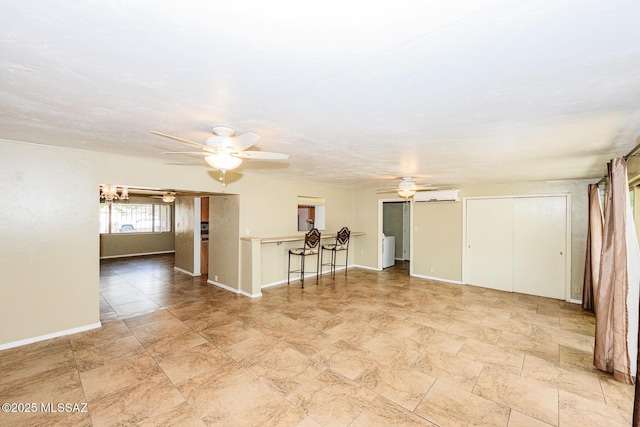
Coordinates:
[407,184]
[168,197]
[223,161]
[406,188]
[406,192]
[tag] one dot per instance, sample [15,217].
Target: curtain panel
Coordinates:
[616,305]
[594,247]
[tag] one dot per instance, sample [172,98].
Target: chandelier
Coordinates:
[110,193]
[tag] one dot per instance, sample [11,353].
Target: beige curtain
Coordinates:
[594,247]
[611,353]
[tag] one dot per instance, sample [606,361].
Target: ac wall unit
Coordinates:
[436,196]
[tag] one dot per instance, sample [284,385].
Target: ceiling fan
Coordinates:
[166,197]
[225,150]
[406,188]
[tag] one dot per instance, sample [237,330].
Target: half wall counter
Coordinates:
[264,259]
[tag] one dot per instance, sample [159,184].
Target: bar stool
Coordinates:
[311,247]
[341,244]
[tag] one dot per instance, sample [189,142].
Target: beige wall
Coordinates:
[224,240]
[367,252]
[268,208]
[126,244]
[49,247]
[437,240]
[185,234]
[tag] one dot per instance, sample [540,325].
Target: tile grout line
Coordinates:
[75,360]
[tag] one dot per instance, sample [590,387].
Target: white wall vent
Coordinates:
[437,196]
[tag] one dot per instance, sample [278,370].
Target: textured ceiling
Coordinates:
[359,94]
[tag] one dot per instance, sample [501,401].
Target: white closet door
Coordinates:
[540,232]
[490,243]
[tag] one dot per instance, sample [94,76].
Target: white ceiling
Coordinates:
[357,92]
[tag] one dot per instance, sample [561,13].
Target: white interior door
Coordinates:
[540,234]
[490,243]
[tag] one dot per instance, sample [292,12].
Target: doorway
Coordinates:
[395,231]
[204,235]
[213,229]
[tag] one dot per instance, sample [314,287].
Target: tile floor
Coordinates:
[372,349]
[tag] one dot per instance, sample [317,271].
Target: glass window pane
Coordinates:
[163,218]
[131,218]
[103,218]
[135,218]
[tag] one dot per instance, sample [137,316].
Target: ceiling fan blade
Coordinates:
[175,138]
[192,153]
[244,141]
[400,189]
[261,155]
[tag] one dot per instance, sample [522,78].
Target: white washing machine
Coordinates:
[388,251]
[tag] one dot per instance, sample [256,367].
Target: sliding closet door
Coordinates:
[540,233]
[490,243]
[518,244]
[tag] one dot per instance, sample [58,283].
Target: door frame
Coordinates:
[380,231]
[406,231]
[567,197]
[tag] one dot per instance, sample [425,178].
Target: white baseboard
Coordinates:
[306,276]
[247,294]
[365,267]
[235,291]
[223,286]
[293,280]
[268,285]
[186,272]
[575,301]
[49,336]
[138,254]
[437,279]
